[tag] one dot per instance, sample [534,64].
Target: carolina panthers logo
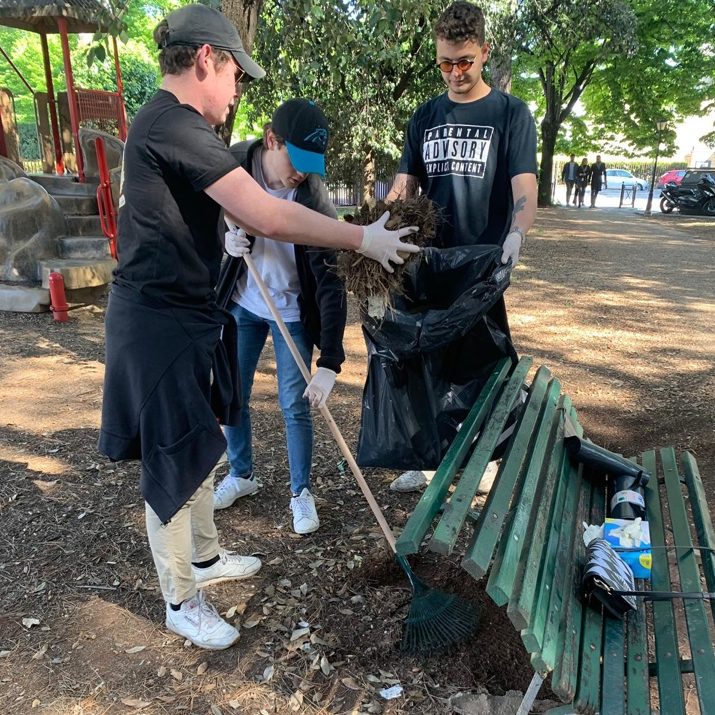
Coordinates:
[318,136]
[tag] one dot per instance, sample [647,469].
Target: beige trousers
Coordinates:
[190,536]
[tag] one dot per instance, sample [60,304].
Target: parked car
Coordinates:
[615,178]
[674,175]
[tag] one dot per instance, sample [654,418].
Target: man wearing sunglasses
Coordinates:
[472,150]
[170,368]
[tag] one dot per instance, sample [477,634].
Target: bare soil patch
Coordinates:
[619,306]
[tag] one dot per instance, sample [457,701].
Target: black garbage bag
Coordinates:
[430,356]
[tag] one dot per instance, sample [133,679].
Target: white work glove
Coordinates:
[382,244]
[320,387]
[236,242]
[511,248]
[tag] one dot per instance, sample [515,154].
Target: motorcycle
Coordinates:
[697,199]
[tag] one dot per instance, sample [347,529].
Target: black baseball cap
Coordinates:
[304,128]
[195,25]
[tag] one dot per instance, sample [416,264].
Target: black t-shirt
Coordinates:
[169,239]
[464,156]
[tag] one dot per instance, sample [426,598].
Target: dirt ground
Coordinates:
[620,307]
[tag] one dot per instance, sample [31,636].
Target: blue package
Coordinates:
[639,561]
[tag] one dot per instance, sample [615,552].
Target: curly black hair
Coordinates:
[460,22]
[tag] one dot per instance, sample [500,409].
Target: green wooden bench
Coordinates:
[528,540]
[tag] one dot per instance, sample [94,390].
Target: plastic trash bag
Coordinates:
[430,356]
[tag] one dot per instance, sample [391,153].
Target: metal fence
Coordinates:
[342,194]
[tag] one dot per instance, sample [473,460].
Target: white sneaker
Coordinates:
[230,567]
[305,517]
[231,489]
[411,481]
[199,621]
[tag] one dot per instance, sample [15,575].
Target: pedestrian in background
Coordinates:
[569,175]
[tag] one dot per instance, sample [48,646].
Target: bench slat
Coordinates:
[554,587]
[588,692]
[695,616]
[637,677]
[666,643]
[486,534]
[432,498]
[565,675]
[456,510]
[703,523]
[637,684]
[613,698]
[539,565]
[507,559]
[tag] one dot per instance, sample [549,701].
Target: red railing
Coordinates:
[97,105]
[107,214]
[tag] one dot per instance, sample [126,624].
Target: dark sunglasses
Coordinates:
[462,65]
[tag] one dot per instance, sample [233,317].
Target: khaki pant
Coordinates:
[189,536]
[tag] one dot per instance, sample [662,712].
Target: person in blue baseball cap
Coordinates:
[288,163]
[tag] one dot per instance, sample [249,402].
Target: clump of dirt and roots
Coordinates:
[366,279]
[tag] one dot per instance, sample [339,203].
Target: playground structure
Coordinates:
[65,221]
[97,108]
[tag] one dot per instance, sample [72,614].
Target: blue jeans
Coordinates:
[252,334]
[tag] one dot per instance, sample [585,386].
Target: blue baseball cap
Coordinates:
[304,128]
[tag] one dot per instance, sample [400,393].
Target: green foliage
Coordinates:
[669,77]
[368,64]
[29,144]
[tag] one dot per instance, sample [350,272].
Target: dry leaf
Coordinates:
[215,710]
[299,633]
[351,683]
[268,674]
[166,698]
[234,704]
[135,649]
[5,653]
[325,666]
[252,623]
[296,701]
[203,667]
[40,652]
[36,703]
[231,612]
[29,622]
[162,671]
[135,703]
[176,674]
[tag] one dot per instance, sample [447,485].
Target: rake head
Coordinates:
[437,620]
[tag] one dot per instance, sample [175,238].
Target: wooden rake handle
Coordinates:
[323,410]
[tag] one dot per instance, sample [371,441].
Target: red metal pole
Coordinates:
[120,91]
[71,95]
[59,161]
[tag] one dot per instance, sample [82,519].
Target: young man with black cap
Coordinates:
[169,373]
[288,162]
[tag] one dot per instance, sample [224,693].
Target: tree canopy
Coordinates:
[599,75]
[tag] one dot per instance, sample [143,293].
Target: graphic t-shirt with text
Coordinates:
[464,156]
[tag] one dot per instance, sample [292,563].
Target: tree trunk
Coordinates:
[369,177]
[500,69]
[244,14]
[549,132]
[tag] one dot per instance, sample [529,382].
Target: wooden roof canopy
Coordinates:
[39,15]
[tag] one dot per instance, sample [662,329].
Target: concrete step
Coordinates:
[55,184]
[83,226]
[79,272]
[24,299]
[77,205]
[83,247]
